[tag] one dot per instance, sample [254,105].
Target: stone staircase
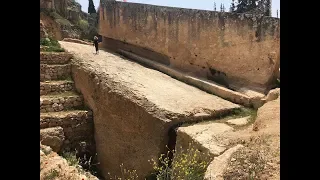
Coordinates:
[60,105]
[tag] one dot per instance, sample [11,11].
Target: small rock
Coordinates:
[46,150]
[60,107]
[46,102]
[239,121]
[233,159]
[52,137]
[41,153]
[55,101]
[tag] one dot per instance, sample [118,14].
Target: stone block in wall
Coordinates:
[55,87]
[54,72]
[55,57]
[52,137]
[60,103]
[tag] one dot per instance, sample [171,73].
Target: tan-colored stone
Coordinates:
[268,117]
[206,137]
[273,94]
[134,107]
[218,166]
[239,121]
[52,137]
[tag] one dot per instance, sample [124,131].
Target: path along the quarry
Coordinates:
[135,107]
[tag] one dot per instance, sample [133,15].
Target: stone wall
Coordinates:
[55,57]
[233,49]
[54,72]
[60,104]
[77,126]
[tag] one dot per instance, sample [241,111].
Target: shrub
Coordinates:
[52,174]
[125,174]
[51,45]
[187,165]
[84,25]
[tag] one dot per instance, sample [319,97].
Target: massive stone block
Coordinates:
[135,107]
[232,49]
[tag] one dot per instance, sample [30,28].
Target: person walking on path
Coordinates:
[96,44]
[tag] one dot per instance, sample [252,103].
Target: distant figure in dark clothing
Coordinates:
[96,44]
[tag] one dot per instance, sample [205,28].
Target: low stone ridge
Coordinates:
[273,94]
[52,137]
[54,72]
[218,166]
[77,41]
[239,121]
[55,57]
[56,87]
[59,103]
[207,137]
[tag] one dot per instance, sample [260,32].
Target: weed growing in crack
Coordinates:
[189,164]
[84,164]
[125,174]
[52,174]
[71,158]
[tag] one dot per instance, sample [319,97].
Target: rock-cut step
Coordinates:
[54,72]
[60,102]
[55,57]
[64,118]
[56,87]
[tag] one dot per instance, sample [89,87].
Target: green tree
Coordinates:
[253,7]
[267,7]
[232,7]
[91,8]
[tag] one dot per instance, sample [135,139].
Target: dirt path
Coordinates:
[162,90]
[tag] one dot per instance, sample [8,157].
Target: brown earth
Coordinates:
[260,157]
[52,27]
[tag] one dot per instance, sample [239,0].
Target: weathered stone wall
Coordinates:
[77,126]
[58,87]
[226,47]
[55,57]
[54,72]
[59,104]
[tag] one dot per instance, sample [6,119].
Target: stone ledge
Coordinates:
[55,57]
[55,86]
[65,118]
[77,41]
[59,103]
[207,137]
[54,72]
